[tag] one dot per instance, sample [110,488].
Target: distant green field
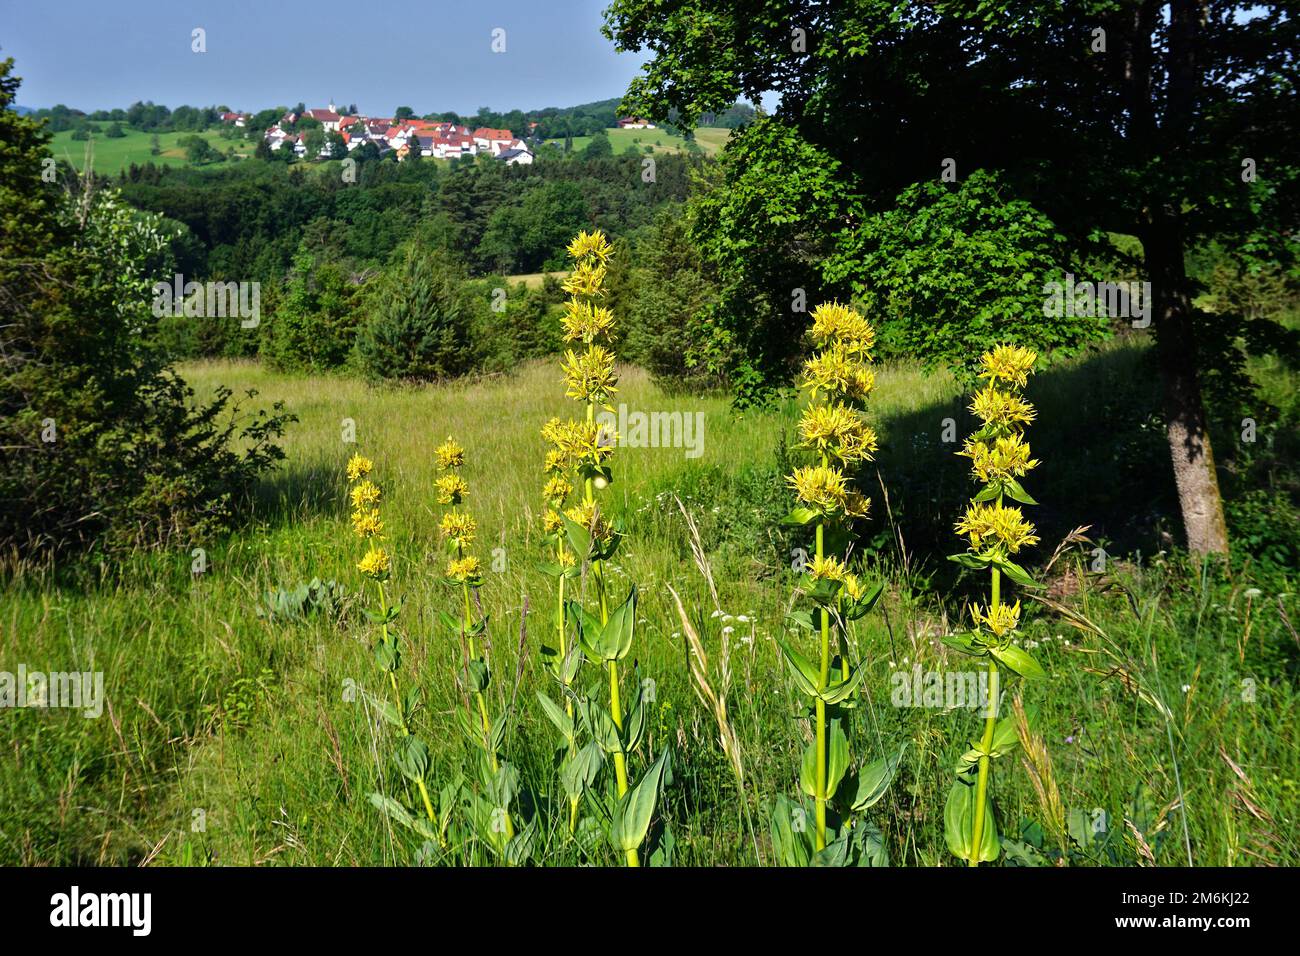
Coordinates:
[710,139]
[112,155]
[533,280]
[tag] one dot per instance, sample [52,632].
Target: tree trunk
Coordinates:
[1185,422]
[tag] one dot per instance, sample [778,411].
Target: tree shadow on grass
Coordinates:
[1104,462]
[297,491]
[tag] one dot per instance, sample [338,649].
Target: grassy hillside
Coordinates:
[112,155]
[220,717]
[709,139]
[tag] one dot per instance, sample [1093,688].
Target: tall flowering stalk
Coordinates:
[577,767]
[500,780]
[606,636]
[838,378]
[411,754]
[996,531]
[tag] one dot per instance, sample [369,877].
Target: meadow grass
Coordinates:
[710,140]
[113,155]
[229,738]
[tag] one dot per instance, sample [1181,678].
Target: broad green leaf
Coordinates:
[1020,662]
[874,780]
[1015,572]
[615,638]
[638,806]
[1005,736]
[579,538]
[800,516]
[555,713]
[837,757]
[966,643]
[805,673]
[791,829]
[844,689]
[412,758]
[1016,491]
[392,809]
[975,562]
[808,770]
[959,823]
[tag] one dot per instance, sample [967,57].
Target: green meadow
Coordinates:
[710,139]
[1165,734]
[111,155]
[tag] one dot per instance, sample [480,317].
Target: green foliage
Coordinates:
[305,600]
[314,324]
[766,230]
[417,325]
[529,235]
[99,442]
[951,271]
[666,333]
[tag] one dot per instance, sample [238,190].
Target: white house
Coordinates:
[516,157]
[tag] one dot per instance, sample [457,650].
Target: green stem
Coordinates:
[392,676]
[615,705]
[982,786]
[478,697]
[563,657]
[823,678]
[990,721]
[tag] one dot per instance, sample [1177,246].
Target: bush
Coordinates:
[671,291]
[314,325]
[99,444]
[418,324]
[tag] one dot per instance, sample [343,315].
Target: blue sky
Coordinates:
[432,55]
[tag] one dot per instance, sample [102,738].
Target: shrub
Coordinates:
[98,441]
[418,325]
[314,325]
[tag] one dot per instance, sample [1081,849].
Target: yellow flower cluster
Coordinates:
[359,467]
[375,564]
[837,371]
[826,490]
[451,489]
[579,448]
[591,246]
[996,526]
[585,321]
[995,407]
[458,527]
[1004,457]
[367,523]
[587,279]
[835,324]
[364,494]
[854,589]
[590,377]
[1001,619]
[450,454]
[575,442]
[833,426]
[827,568]
[999,452]
[464,570]
[837,431]
[1010,364]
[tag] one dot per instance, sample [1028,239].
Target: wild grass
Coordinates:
[111,155]
[1167,727]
